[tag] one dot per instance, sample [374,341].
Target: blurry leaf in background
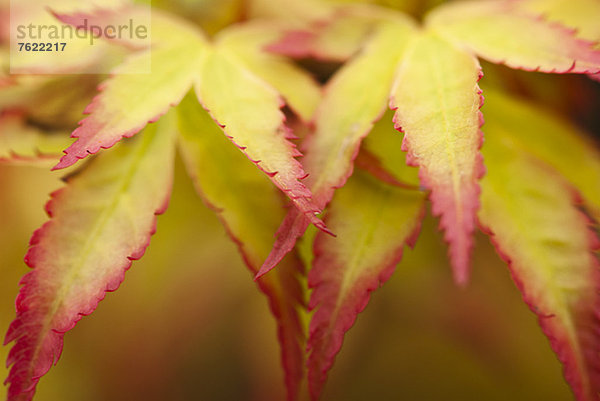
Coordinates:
[211,15]
[54,101]
[553,140]
[581,15]
[22,144]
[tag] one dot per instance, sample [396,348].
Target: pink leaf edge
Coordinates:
[301,44]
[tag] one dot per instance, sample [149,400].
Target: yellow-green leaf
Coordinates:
[437,102]
[529,211]
[101,221]
[373,221]
[500,32]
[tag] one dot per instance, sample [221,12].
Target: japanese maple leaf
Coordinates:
[104,217]
[244,104]
[430,77]
[542,181]
[100,222]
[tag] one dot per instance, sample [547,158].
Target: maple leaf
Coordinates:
[243,104]
[530,213]
[112,205]
[373,222]
[375,214]
[464,30]
[437,105]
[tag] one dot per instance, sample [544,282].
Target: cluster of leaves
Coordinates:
[536,195]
